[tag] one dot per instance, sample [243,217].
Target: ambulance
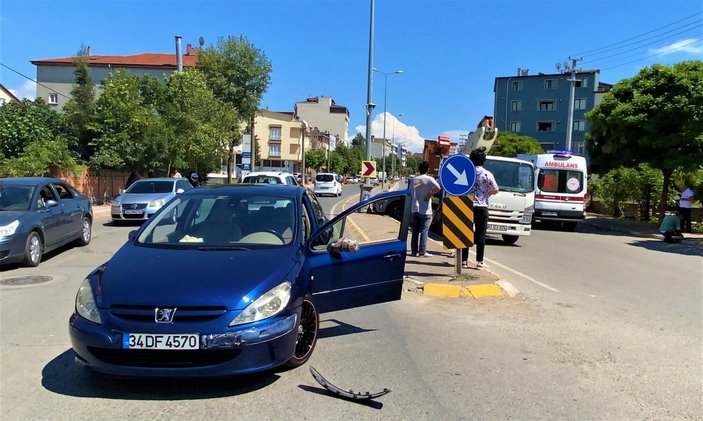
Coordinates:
[560,187]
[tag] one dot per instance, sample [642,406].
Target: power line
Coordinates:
[650,55]
[29,78]
[640,35]
[695,27]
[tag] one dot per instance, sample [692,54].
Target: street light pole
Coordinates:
[385,97]
[395,154]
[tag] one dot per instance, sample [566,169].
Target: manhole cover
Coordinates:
[25,280]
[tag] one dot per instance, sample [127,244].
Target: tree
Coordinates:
[38,158]
[25,122]
[238,74]
[79,110]
[315,158]
[656,117]
[510,144]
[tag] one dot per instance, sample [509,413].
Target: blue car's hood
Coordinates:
[8,216]
[144,197]
[146,276]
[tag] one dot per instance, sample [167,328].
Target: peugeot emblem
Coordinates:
[164,315]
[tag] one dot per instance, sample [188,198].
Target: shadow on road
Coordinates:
[339,329]
[692,247]
[63,376]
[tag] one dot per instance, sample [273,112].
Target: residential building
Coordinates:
[538,106]
[323,113]
[6,95]
[279,138]
[380,148]
[55,76]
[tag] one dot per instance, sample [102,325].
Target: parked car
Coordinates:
[146,196]
[328,183]
[270,177]
[231,280]
[38,215]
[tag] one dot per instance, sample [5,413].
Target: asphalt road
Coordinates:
[607,327]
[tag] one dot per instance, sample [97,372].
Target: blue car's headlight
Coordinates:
[85,303]
[9,229]
[267,305]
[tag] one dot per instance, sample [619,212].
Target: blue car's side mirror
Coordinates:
[132,235]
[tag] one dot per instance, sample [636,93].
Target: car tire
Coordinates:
[307,330]
[510,239]
[86,232]
[33,249]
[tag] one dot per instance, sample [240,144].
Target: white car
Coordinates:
[270,177]
[327,183]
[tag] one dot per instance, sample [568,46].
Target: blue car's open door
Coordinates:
[373,273]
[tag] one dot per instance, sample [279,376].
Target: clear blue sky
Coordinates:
[450,51]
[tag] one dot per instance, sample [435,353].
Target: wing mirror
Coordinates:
[343,245]
[179,191]
[51,203]
[132,235]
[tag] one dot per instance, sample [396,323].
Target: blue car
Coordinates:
[39,214]
[232,280]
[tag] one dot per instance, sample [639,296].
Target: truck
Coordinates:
[561,187]
[510,211]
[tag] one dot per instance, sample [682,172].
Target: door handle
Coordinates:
[391,256]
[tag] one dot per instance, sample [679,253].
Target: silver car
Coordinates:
[144,197]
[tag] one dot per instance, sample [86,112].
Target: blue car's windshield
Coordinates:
[142,187]
[15,198]
[223,221]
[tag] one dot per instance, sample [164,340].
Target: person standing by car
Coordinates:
[423,188]
[685,206]
[175,173]
[671,228]
[484,187]
[131,179]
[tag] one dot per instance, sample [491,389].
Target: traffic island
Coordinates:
[458,291]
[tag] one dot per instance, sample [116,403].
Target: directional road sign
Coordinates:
[368,168]
[457,175]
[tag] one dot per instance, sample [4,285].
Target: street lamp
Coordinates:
[385,96]
[395,154]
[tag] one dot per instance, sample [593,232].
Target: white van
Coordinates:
[561,187]
[327,183]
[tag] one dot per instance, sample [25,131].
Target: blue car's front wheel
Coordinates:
[308,327]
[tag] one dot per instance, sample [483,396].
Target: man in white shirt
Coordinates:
[424,187]
[685,205]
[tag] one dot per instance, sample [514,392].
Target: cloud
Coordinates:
[396,131]
[684,46]
[28,90]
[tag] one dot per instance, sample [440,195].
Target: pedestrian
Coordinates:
[484,186]
[671,228]
[131,179]
[175,173]
[194,179]
[423,188]
[685,206]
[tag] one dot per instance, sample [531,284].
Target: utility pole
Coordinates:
[369,78]
[572,94]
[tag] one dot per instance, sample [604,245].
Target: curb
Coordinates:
[500,288]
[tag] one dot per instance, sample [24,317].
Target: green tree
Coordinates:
[510,144]
[130,133]
[656,117]
[79,110]
[316,159]
[25,122]
[238,74]
[38,158]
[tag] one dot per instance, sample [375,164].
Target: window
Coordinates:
[581,83]
[560,181]
[580,104]
[545,126]
[2,101]
[547,105]
[550,84]
[515,126]
[579,125]
[275,133]
[516,105]
[517,85]
[63,191]
[578,147]
[53,98]
[274,149]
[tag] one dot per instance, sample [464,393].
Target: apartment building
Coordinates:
[55,76]
[322,112]
[538,106]
[6,95]
[279,137]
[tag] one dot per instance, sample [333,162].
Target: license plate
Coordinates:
[133,212]
[549,213]
[160,341]
[497,227]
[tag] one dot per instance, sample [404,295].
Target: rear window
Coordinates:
[324,178]
[560,181]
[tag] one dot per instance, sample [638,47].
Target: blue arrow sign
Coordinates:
[457,175]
